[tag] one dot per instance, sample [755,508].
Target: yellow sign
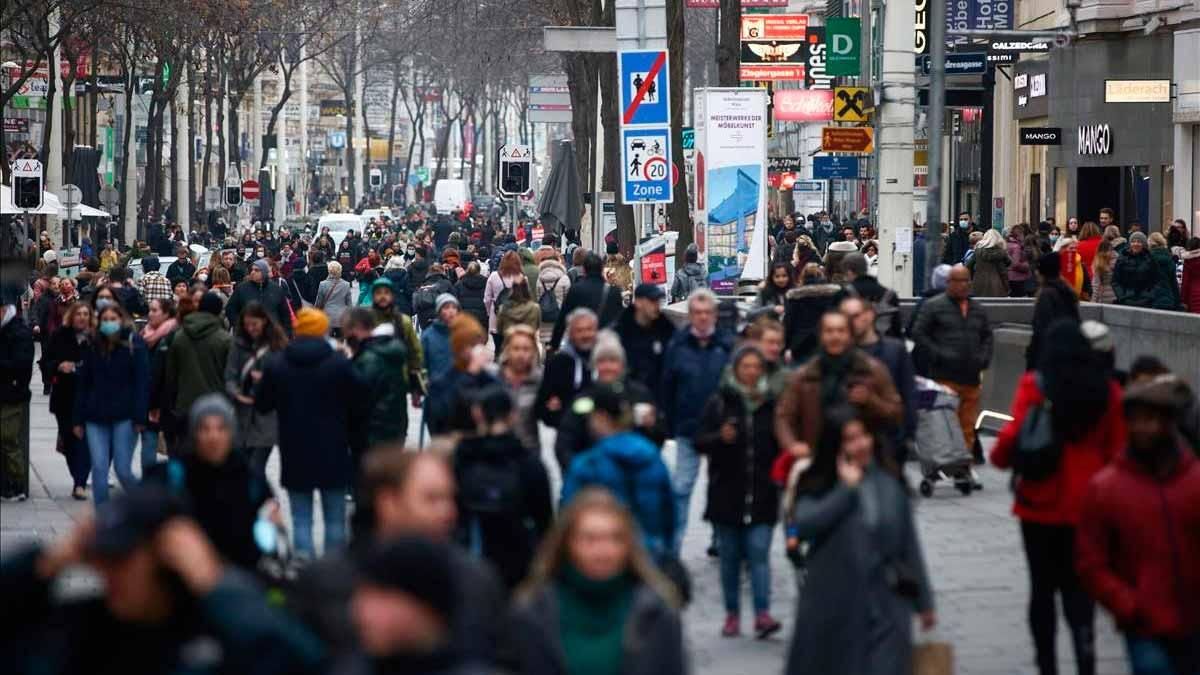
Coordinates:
[849,104]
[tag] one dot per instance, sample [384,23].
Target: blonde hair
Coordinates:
[552,554]
[520,330]
[1157,240]
[335,269]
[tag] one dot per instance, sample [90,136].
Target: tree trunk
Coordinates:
[126,134]
[678,211]
[191,142]
[177,200]
[582,80]
[729,43]
[391,146]
[222,102]
[285,93]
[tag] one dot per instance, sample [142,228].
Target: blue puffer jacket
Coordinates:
[630,467]
[435,345]
[691,374]
[113,387]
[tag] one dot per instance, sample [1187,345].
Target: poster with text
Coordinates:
[735,160]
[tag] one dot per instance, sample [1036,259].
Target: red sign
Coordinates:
[654,266]
[774,27]
[250,189]
[847,139]
[752,72]
[803,105]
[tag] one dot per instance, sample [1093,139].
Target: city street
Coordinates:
[972,545]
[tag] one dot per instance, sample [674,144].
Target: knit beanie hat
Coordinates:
[1049,265]
[211,303]
[443,300]
[414,566]
[1138,236]
[263,266]
[210,405]
[311,322]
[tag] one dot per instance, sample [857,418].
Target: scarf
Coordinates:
[834,370]
[582,359]
[1072,270]
[592,616]
[151,336]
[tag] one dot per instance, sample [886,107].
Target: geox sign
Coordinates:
[1095,139]
[1041,136]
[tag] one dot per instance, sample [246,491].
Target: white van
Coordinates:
[339,225]
[451,195]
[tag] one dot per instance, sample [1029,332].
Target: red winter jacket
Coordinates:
[1057,499]
[1137,547]
[1189,291]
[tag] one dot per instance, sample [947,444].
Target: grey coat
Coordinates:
[254,429]
[850,621]
[334,296]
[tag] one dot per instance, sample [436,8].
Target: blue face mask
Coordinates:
[110,328]
[102,303]
[963,224]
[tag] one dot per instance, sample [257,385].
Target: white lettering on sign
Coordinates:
[1094,139]
[1037,85]
[1021,81]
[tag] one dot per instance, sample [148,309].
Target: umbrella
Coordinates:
[560,198]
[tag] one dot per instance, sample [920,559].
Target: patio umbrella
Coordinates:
[560,207]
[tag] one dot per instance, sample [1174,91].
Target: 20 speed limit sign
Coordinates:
[646,160]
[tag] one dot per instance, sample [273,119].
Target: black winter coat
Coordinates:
[16,361]
[269,294]
[62,348]
[593,293]
[508,540]
[802,312]
[469,291]
[321,416]
[740,489]
[959,348]
[1055,300]
[574,437]
[558,381]
[645,348]
[401,291]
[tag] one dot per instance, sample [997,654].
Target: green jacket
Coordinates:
[382,363]
[402,325]
[196,360]
[528,313]
[1165,294]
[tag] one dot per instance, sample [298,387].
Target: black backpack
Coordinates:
[548,302]
[424,302]
[501,298]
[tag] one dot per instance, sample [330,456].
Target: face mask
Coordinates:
[1053,238]
[203,277]
[102,303]
[110,328]
[963,224]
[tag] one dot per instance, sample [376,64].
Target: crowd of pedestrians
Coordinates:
[462,558]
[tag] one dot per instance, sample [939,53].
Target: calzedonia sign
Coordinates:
[1041,136]
[1094,139]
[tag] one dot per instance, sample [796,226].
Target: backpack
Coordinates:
[687,283]
[885,311]
[1038,450]
[501,298]
[548,302]
[489,489]
[424,302]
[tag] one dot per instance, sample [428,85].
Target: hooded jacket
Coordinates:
[508,540]
[688,278]
[630,467]
[802,312]
[740,489]
[1165,294]
[1135,278]
[317,396]
[435,345]
[381,364]
[552,275]
[574,437]
[269,294]
[989,267]
[196,359]
[1020,271]
[691,373]
[1137,547]
[254,429]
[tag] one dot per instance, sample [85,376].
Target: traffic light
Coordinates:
[515,180]
[376,179]
[27,192]
[233,195]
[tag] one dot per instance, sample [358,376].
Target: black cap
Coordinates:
[414,566]
[128,520]
[609,398]
[649,292]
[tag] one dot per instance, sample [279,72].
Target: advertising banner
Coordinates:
[734,160]
[803,105]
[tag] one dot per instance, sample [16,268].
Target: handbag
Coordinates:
[1038,449]
[933,658]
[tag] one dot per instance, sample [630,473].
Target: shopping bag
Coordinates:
[933,658]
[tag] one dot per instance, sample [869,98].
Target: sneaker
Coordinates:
[732,626]
[765,626]
[16,497]
[79,493]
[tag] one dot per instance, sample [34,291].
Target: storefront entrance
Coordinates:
[1124,189]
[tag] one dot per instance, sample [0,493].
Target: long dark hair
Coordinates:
[273,336]
[1074,380]
[821,475]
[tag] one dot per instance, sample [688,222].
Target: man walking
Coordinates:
[893,354]
[953,330]
[16,370]
[569,370]
[258,288]
[695,360]
[645,334]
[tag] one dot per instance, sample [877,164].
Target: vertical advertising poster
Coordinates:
[735,156]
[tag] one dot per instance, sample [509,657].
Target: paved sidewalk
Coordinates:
[972,546]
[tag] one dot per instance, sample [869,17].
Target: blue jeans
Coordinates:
[1148,656]
[110,442]
[333,512]
[687,468]
[750,543]
[149,440]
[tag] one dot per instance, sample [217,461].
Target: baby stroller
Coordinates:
[940,446]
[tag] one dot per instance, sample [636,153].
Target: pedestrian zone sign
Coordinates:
[645,87]
[646,160]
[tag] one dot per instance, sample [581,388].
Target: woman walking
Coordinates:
[111,398]
[256,337]
[989,267]
[519,309]
[65,350]
[1084,407]
[773,294]
[1102,273]
[594,603]
[497,289]
[737,434]
[333,297]
[520,371]
[866,571]
[160,323]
